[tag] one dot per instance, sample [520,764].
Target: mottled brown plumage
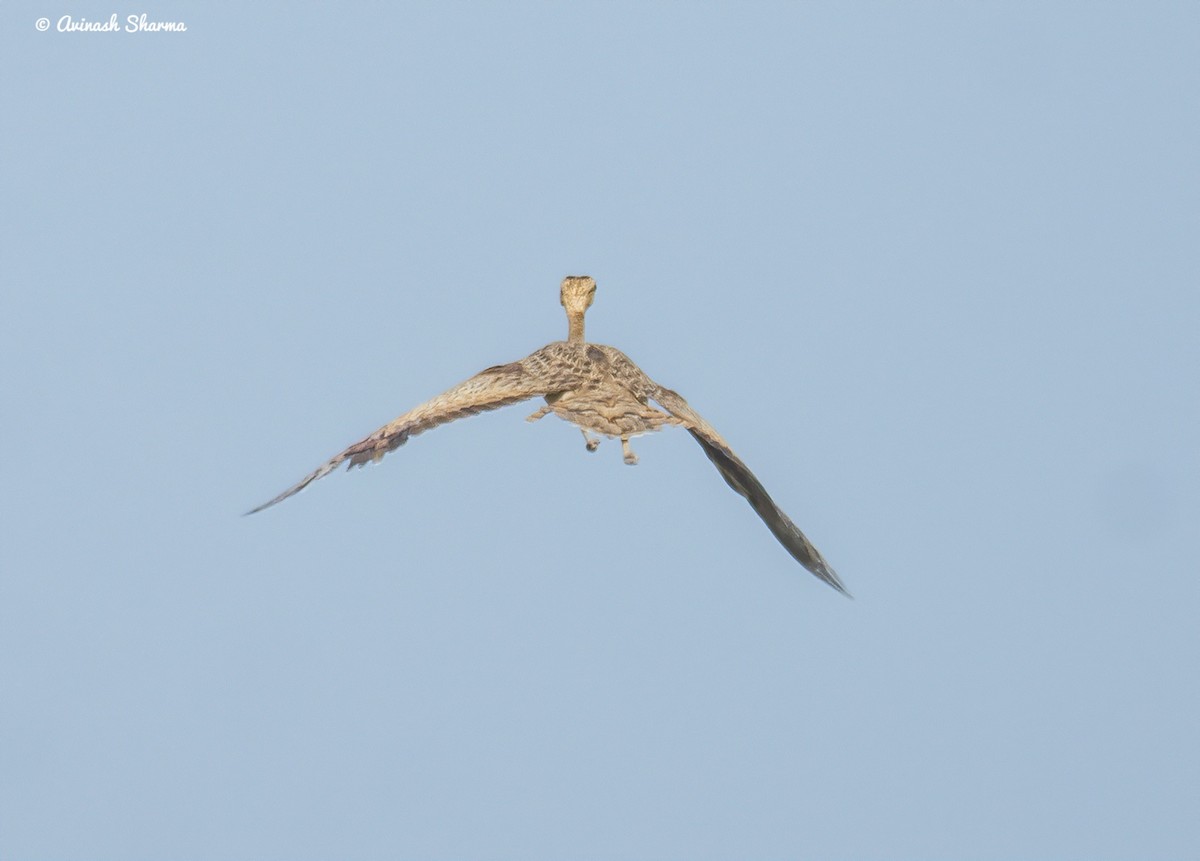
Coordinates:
[596,388]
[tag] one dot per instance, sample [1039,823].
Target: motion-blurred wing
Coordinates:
[738,476]
[491,389]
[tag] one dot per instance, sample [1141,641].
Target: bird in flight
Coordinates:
[598,389]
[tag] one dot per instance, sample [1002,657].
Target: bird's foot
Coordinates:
[542,413]
[592,443]
[630,457]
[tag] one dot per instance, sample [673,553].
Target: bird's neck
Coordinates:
[575,333]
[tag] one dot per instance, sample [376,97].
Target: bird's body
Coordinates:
[598,389]
[612,394]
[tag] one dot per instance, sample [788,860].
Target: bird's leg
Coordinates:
[542,413]
[630,457]
[592,443]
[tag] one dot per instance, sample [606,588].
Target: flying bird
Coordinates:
[598,389]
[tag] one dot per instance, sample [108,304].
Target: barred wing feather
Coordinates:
[490,389]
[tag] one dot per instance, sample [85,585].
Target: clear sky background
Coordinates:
[932,270]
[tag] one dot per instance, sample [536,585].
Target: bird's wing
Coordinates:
[490,389]
[738,476]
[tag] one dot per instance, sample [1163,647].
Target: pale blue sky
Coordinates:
[931,269]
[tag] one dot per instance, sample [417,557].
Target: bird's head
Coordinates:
[577,294]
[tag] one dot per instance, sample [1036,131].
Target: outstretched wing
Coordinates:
[738,476]
[490,389]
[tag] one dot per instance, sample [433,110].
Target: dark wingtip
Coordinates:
[830,576]
[291,491]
